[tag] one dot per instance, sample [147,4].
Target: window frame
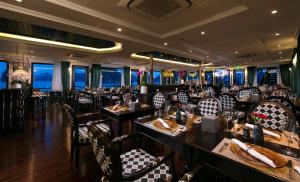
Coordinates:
[7,71]
[32,74]
[86,75]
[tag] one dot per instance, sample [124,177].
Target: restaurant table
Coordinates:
[94,95]
[125,116]
[197,145]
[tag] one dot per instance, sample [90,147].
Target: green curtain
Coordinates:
[65,78]
[144,79]
[163,79]
[285,74]
[251,74]
[126,71]
[95,75]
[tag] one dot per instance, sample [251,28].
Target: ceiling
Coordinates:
[237,32]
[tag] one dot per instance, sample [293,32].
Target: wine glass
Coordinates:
[227,117]
[289,132]
[234,120]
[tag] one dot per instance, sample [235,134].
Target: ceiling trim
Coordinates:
[211,19]
[99,15]
[37,14]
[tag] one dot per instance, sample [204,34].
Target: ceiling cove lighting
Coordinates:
[6,36]
[134,55]
[119,29]
[273,12]
[236,52]
[19,1]
[166,43]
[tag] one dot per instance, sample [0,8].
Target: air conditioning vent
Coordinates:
[157,9]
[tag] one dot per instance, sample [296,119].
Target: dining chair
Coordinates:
[211,91]
[262,88]
[225,90]
[135,164]
[79,135]
[192,176]
[183,97]
[227,101]
[159,100]
[235,88]
[285,101]
[255,90]
[278,114]
[244,92]
[209,106]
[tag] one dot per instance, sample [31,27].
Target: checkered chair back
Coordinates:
[286,102]
[211,91]
[183,97]
[244,92]
[235,88]
[225,90]
[209,106]
[278,115]
[280,92]
[262,88]
[227,101]
[255,90]
[159,100]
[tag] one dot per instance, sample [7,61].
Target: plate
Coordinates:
[173,125]
[242,154]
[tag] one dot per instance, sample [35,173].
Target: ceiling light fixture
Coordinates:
[190,51]
[279,52]
[277,34]
[38,41]
[279,45]
[236,52]
[273,12]
[281,57]
[119,29]
[163,60]
[207,56]
[202,33]
[165,43]
[19,1]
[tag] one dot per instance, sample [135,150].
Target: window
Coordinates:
[238,77]
[134,78]
[193,76]
[111,77]
[222,77]
[80,77]
[267,76]
[156,77]
[177,77]
[42,76]
[209,78]
[3,74]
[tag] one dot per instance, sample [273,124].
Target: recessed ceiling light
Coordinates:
[119,29]
[207,56]
[277,34]
[190,51]
[19,1]
[165,43]
[281,57]
[202,33]
[279,45]
[273,12]
[279,52]
[31,51]
[236,52]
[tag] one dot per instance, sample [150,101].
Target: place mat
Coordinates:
[179,131]
[281,173]
[283,140]
[110,108]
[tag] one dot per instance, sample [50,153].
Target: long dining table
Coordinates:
[198,146]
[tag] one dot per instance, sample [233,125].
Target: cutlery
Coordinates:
[290,166]
[224,146]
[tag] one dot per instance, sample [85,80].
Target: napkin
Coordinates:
[254,153]
[297,168]
[267,132]
[162,122]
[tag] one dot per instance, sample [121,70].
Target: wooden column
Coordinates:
[200,76]
[151,70]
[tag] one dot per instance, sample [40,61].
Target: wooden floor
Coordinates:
[42,152]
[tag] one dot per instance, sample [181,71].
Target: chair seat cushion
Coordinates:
[138,159]
[83,135]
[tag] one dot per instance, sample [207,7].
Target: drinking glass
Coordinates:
[227,117]
[289,132]
[234,120]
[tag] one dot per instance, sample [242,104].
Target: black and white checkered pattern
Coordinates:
[225,90]
[159,100]
[138,159]
[183,97]
[244,92]
[280,92]
[276,114]
[262,88]
[235,88]
[211,91]
[83,131]
[228,102]
[254,90]
[281,100]
[209,106]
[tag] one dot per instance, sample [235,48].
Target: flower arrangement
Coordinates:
[140,72]
[192,74]
[167,73]
[258,116]
[19,76]
[182,74]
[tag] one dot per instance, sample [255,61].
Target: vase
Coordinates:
[258,134]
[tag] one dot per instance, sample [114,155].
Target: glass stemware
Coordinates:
[289,132]
[227,117]
[234,120]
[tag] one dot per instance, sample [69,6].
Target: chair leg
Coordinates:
[77,152]
[72,151]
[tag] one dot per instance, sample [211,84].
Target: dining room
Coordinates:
[150,90]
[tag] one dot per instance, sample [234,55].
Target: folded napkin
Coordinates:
[254,153]
[162,122]
[267,132]
[297,168]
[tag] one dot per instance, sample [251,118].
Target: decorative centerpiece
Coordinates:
[18,78]
[258,134]
[182,75]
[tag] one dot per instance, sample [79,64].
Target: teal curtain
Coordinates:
[285,74]
[126,71]
[163,79]
[65,78]
[95,75]
[251,74]
[144,79]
